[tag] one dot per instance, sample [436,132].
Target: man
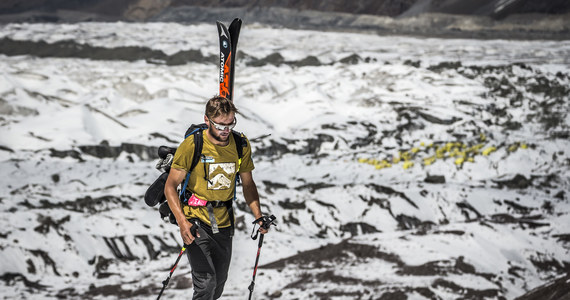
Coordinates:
[209,192]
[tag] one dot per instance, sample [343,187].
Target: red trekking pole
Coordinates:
[165,282]
[266,222]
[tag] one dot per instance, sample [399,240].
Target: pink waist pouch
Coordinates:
[195,201]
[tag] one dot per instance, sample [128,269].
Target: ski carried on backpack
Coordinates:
[154,195]
[228,50]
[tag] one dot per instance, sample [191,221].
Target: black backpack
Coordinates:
[155,193]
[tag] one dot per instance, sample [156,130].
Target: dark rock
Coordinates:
[517,208]
[550,181]
[47,222]
[84,205]
[510,125]
[435,179]
[431,268]
[162,136]
[516,271]
[503,219]
[396,295]
[313,146]
[291,220]
[55,178]
[112,243]
[66,153]
[48,261]
[550,88]
[467,293]
[274,149]
[548,207]
[184,57]
[275,59]
[325,204]
[436,120]
[358,228]
[118,291]
[525,222]
[445,66]
[547,264]
[562,237]
[351,59]
[271,187]
[517,182]
[11,279]
[104,150]
[313,187]
[391,191]
[69,48]
[557,289]
[454,232]
[308,61]
[152,253]
[4,148]
[68,293]
[409,222]
[101,265]
[287,204]
[415,64]
[31,266]
[341,252]
[466,208]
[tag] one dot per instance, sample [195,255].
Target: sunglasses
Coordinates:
[223,127]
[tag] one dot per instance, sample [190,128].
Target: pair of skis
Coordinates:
[228,49]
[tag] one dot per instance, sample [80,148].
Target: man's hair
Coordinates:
[218,106]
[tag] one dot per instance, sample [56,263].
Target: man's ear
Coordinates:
[206,121]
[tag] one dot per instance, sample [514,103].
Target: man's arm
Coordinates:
[175,177]
[251,196]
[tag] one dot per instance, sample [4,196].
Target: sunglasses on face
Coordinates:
[223,127]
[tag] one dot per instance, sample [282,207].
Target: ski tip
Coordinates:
[236,24]
[220,24]
[223,30]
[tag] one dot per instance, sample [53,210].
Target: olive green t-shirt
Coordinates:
[221,166]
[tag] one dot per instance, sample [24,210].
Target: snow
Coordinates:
[61,104]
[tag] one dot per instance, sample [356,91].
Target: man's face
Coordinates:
[220,127]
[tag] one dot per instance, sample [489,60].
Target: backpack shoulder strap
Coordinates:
[241,143]
[197,132]
[198,144]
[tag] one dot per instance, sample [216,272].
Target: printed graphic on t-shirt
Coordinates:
[220,174]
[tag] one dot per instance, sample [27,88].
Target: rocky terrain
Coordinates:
[398,167]
[514,19]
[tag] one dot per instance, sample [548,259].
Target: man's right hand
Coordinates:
[186,231]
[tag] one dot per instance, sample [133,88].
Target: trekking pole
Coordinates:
[266,222]
[165,282]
